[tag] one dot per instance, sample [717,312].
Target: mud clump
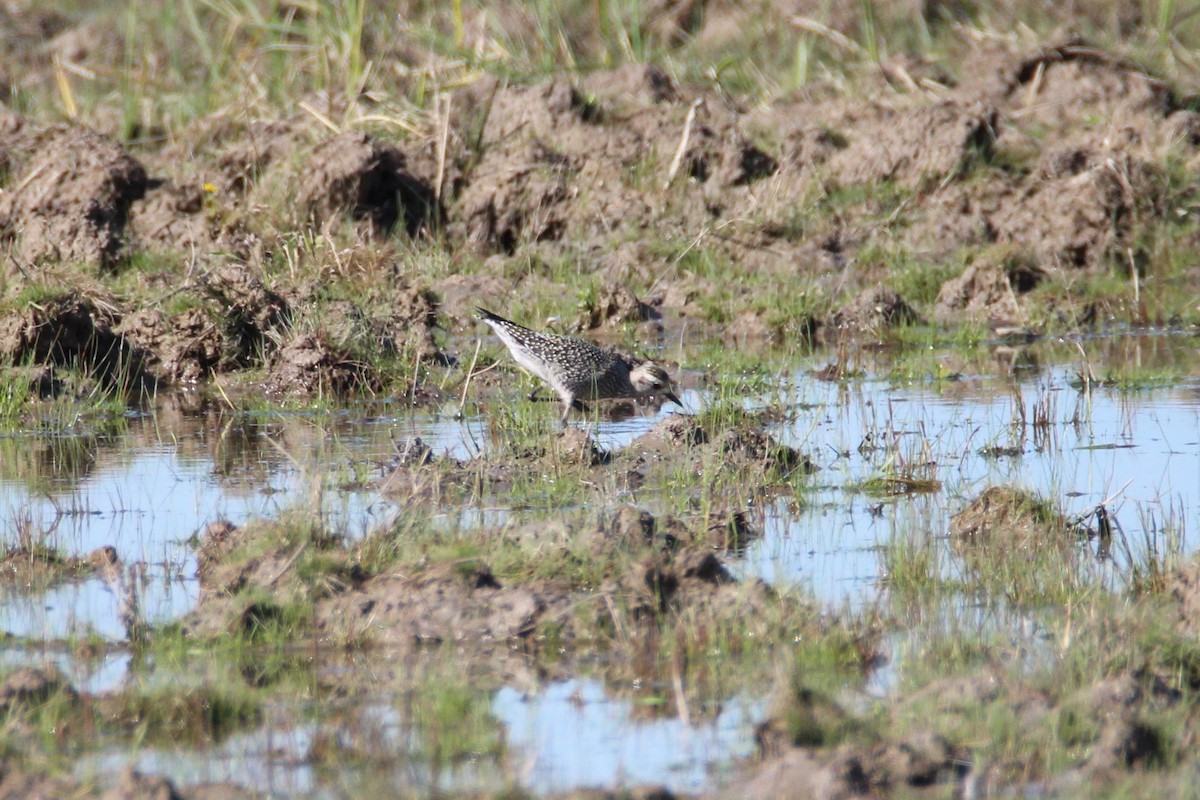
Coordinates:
[675,430]
[989,291]
[133,784]
[465,602]
[616,305]
[1011,520]
[356,175]
[412,323]
[722,531]
[1062,84]
[918,146]
[309,366]
[872,313]
[185,349]
[1185,591]
[71,201]
[556,161]
[750,329]
[27,565]
[1107,192]
[575,446]
[671,581]
[262,143]
[253,314]
[740,447]
[440,605]
[747,446]
[74,332]
[918,761]
[215,543]
[504,207]
[181,218]
[30,687]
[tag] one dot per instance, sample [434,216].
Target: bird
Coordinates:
[577,370]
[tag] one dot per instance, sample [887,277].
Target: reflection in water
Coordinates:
[1140,452]
[572,735]
[106,672]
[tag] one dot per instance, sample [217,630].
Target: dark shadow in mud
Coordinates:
[75,333]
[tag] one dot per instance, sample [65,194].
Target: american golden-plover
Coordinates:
[577,370]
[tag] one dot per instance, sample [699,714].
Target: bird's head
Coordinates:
[649,378]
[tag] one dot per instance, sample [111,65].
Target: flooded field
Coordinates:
[892,491]
[898,450]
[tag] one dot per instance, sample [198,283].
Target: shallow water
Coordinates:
[1138,453]
[152,488]
[572,735]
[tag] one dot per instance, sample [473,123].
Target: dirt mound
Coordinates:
[616,305]
[459,294]
[672,432]
[356,175]
[185,349]
[989,289]
[253,314]
[30,687]
[1062,85]
[629,527]
[177,218]
[26,565]
[71,199]
[442,606]
[133,784]
[660,567]
[576,447]
[914,762]
[503,207]
[216,542]
[75,332]
[262,143]
[669,582]
[921,146]
[754,448]
[1086,204]
[871,313]
[19,139]
[633,85]
[555,161]
[680,439]
[750,329]
[1012,520]
[1185,591]
[412,323]
[309,366]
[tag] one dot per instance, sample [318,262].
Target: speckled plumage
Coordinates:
[578,370]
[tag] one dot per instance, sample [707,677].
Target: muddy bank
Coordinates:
[1124,719]
[641,571]
[999,183]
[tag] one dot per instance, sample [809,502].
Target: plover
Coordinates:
[577,370]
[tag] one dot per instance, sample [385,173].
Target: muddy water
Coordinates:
[150,489]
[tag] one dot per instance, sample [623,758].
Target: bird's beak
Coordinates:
[674,398]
